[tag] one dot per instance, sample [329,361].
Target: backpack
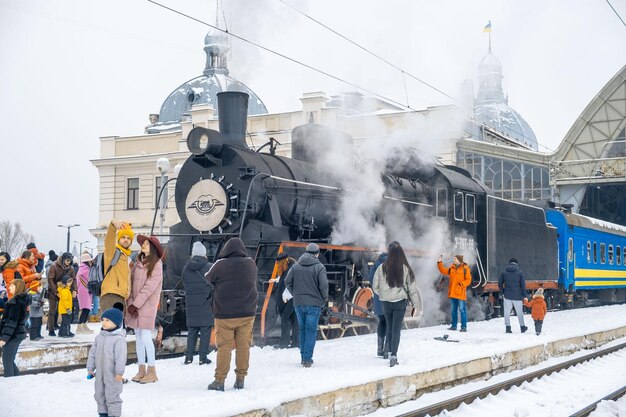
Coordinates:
[97,273]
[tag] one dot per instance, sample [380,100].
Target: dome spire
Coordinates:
[217,46]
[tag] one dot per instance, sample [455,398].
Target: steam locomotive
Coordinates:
[277,205]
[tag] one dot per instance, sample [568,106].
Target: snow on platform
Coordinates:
[277,385]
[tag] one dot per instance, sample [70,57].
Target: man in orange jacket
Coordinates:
[460,278]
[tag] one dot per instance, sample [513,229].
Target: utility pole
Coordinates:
[69,226]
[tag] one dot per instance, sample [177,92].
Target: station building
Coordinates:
[483,135]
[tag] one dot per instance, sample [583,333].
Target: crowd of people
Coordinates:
[221,296]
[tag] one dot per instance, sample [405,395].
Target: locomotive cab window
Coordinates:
[442,202]
[458,206]
[610,254]
[570,249]
[470,208]
[618,255]
[602,253]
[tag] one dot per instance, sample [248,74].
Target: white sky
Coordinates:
[72,71]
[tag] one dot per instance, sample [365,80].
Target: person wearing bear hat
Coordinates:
[61,268]
[538,309]
[308,283]
[513,289]
[460,278]
[115,287]
[106,362]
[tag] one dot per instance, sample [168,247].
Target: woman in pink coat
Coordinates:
[84,297]
[146,284]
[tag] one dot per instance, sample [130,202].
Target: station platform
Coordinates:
[347,378]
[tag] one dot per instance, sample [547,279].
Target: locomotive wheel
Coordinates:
[364,298]
[335,331]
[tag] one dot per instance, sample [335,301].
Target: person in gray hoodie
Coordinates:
[107,356]
[308,283]
[198,304]
[36,310]
[513,288]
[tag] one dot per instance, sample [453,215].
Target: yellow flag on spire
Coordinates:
[487,28]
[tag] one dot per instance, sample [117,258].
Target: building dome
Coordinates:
[203,90]
[492,107]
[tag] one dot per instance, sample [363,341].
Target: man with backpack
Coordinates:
[115,286]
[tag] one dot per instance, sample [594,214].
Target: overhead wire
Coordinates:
[615,11]
[281,55]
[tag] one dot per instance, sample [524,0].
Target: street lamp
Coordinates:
[163,165]
[80,244]
[69,226]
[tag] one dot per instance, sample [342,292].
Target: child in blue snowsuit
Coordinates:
[107,356]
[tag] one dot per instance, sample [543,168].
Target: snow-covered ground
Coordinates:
[559,394]
[275,376]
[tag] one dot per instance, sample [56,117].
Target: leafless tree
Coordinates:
[13,239]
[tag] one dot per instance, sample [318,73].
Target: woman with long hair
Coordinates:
[394,282]
[12,327]
[147,281]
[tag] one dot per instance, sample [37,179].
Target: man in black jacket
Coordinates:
[197,303]
[289,330]
[234,279]
[308,284]
[513,288]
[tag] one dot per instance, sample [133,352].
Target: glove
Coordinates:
[132,310]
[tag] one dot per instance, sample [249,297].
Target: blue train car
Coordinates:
[592,256]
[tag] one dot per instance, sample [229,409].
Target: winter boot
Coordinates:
[393,361]
[150,376]
[508,329]
[204,361]
[188,360]
[86,329]
[216,386]
[140,374]
[381,346]
[523,329]
[238,383]
[103,415]
[386,355]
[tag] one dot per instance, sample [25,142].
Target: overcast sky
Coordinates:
[74,70]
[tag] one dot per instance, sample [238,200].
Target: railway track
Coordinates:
[615,395]
[468,398]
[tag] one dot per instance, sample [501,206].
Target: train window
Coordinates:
[602,253]
[442,202]
[470,208]
[588,252]
[618,255]
[458,206]
[595,253]
[610,254]
[570,249]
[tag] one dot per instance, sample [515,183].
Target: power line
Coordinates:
[334,77]
[615,11]
[367,50]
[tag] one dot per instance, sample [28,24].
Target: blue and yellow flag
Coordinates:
[488,27]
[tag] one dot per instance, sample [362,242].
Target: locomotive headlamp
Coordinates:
[201,141]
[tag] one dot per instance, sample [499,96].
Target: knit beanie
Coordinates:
[31,245]
[114,315]
[65,279]
[459,257]
[198,249]
[53,256]
[539,291]
[125,232]
[312,248]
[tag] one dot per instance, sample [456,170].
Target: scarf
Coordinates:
[122,249]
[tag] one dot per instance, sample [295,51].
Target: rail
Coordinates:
[591,407]
[468,398]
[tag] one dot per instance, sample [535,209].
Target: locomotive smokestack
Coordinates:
[232,107]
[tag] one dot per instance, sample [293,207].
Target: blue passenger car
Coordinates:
[591,254]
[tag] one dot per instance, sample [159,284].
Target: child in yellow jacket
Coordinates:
[65,305]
